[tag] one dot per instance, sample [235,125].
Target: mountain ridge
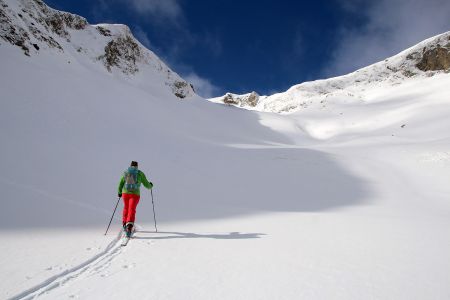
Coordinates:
[425,59]
[34,27]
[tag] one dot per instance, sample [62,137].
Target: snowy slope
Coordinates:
[38,30]
[423,60]
[336,203]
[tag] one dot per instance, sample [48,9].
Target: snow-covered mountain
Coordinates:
[346,201]
[35,28]
[425,59]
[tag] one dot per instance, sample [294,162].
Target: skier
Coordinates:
[129,191]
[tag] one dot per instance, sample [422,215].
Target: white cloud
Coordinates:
[161,9]
[202,86]
[162,12]
[392,26]
[141,35]
[298,44]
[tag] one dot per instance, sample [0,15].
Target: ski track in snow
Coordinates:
[93,265]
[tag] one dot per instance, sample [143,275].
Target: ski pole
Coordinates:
[112,215]
[154,216]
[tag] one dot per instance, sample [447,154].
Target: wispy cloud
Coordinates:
[167,10]
[142,36]
[294,52]
[298,44]
[390,26]
[161,13]
[202,86]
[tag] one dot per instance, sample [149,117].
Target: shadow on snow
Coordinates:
[197,174]
[187,235]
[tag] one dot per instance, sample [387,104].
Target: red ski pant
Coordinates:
[130,202]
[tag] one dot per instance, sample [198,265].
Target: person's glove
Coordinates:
[120,195]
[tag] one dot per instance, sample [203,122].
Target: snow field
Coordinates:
[334,202]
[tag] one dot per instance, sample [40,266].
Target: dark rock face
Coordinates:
[58,22]
[179,89]
[437,59]
[104,31]
[230,100]
[36,12]
[122,52]
[11,34]
[55,20]
[251,99]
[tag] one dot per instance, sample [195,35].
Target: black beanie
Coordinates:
[134,163]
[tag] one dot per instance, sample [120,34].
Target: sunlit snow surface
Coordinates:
[347,201]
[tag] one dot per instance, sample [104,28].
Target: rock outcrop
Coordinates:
[435,59]
[247,100]
[38,21]
[122,52]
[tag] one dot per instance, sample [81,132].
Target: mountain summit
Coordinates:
[33,27]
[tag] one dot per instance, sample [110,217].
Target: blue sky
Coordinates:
[268,45]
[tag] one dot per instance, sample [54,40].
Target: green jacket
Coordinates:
[140,178]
